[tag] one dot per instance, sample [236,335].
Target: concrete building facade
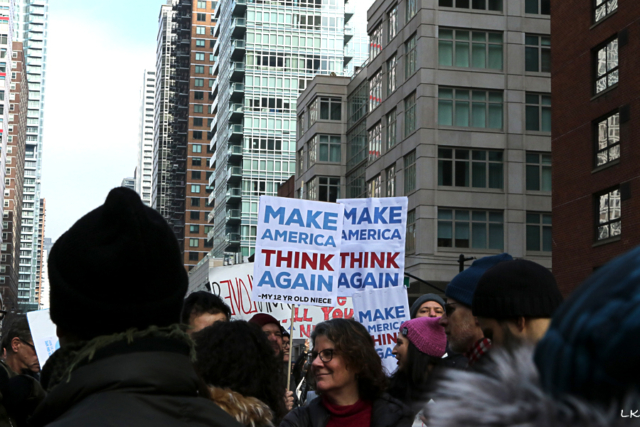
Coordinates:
[451,110]
[144,168]
[595,135]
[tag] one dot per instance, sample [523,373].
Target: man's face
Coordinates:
[198,323]
[286,346]
[430,309]
[460,326]
[274,335]
[26,355]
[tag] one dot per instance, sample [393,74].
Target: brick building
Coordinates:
[596,208]
[10,265]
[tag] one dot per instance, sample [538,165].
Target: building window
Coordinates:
[199,69]
[301,160]
[329,147]
[409,114]
[328,189]
[356,185]
[537,7]
[200,43]
[537,53]
[410,57]
[375,42]
[409,172]
[375,90]
[608,139]
[602,8]
[410,245]
[609,215]
[391,181]
[357,145]
[201,30]
[470,108]
[495,5]
[196,161]
[197,121]
[201,16]
[195,188]
[375,187]
[607,66]
[193,243]
[197,134]
[311,152]
[412,9]
[470,168]
[391,129]
[461,228]
[392,22]
[312,192]
[357,103]
[392,75]
[196,148]
[196,175]
[470,49]
[375,142]
[195,202]
[330,109]
[538,112]
[194,229]
[197,108]
[539,232]
[199,82]
[538,171]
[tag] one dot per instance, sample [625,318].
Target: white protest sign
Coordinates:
[297,257]
[373,244]
[382,311]
[234,285]
[43,333]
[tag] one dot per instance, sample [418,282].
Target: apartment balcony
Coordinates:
[212,160]
[236,72]
[211,216]
[211,198]
[234,174]
[216,48]
[236,113]
[232,242]
[235,133]
[214,88]
[212,180]
[347,59]
[234,194]
[213,142]
[233,216]
[239,7]
[238,49]
[237,92]
[234,153]
[348,34]
[214,124]
[216,67]
[210,234]
[238,28]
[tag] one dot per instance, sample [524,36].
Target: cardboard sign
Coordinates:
[382,311]
[297,257]
[234,285]
[373,244]
[43,333]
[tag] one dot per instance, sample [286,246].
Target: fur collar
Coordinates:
[507,392]
[248,411]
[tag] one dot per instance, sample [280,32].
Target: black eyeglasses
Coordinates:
[448,309]
[325,355]
[30,345]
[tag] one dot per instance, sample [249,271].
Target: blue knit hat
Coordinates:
[592,348]
[462,287]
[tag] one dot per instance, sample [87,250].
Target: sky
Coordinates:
[96,55]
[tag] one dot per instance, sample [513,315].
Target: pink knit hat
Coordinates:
[426,334]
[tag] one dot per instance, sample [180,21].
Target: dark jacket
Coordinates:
[386,412]
[149,381]
[19,396]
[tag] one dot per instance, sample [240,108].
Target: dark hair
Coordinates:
[297,372]
[18,327]
[203,302]
[356,346]
[237,355]
[411,384]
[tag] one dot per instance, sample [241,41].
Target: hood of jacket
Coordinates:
[248,411]
[507,392]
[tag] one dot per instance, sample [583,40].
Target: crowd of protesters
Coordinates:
[504,349]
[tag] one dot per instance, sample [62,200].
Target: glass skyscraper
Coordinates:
[267,54]
[30,20]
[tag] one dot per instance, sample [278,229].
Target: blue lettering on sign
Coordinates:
[268,211]
[329,219]
[298,237]
[384,280]
[387,313]
[371,234]
[379,215]
[283,281]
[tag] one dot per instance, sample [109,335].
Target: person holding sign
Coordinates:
[349,378]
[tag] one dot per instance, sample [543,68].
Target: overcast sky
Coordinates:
[96,55]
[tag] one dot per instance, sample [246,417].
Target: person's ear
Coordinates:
[15,342]
[521,323]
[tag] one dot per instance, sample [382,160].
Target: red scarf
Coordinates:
[356,415]
[480,348]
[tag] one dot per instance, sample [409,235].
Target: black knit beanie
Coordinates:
[516,288]
[118,267]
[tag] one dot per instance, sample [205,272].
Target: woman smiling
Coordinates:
[349,378]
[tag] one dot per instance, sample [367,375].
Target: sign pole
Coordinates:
[290,347]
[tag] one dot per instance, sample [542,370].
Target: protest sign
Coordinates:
[234,285]
[382,311]
[43,333]
[297,251]
[373,244]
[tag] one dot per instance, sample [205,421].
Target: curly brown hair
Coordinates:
[356,346]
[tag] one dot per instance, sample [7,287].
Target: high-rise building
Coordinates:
[144,168]
[30,26]
[268,53]
[452,110]
[129,183]
[41,259]
[596,150]
[12,223]
[161,199]
[44,285]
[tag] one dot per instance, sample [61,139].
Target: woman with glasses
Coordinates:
[420,345]
[349,379]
